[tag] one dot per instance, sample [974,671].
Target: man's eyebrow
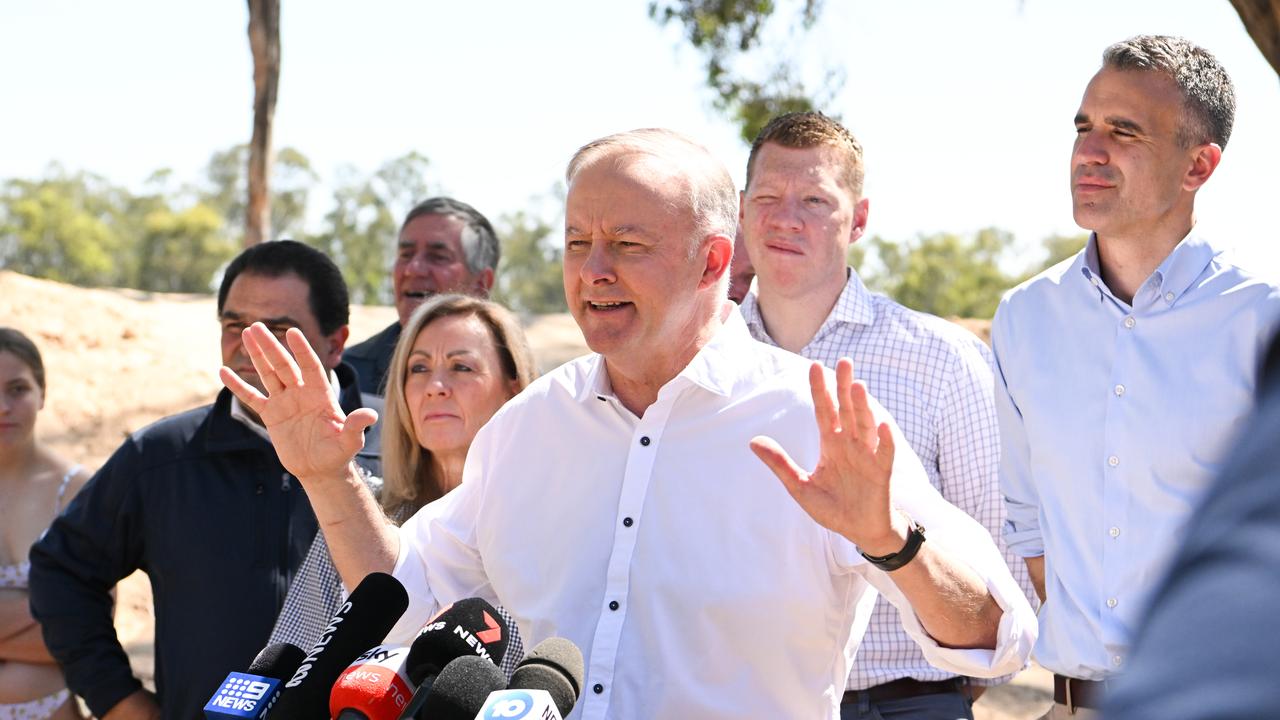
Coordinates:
[280,320]
[1125,124]
[1082,119]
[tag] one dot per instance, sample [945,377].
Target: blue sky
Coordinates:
[965,108]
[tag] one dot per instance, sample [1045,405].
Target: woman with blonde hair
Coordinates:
[35,485]
[458,360]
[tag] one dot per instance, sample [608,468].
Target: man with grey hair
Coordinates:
[1125,372]
[617,502]
[444,246]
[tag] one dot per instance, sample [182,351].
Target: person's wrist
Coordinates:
[888,541]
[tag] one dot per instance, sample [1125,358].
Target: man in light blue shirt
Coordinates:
[1125,372]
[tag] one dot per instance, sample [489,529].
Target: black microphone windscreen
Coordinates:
[556,666]
[279,661]
[362,622]
[461,688]
[467,627]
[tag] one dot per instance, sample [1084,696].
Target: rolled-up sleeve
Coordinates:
[1022,503]
[967,541]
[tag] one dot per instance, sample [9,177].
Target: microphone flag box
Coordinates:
[519,705]
[241,696]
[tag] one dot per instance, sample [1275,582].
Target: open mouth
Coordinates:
[417,294]
[607,306]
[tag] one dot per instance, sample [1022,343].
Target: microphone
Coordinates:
[362,622]
[545,685]
[554,666]
[470,627]
[462,688]
[374,687]
[249,694]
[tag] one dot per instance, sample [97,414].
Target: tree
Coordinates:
[529,279]
[226,189]
[1058,248]
[726,31]
[1262,21]
[264,43]
[179,251]
[945,274]
[64,228]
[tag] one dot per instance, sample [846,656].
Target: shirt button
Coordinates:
[598,688]
[1119,391]
[1112,602]
[1168,297]
[1113,461]
[1094,280]
[1129,322]
[1115,660]
[613,604]
[645,441]
[628,522]
[1114,532]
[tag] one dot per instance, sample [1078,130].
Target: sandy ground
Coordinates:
[117,360]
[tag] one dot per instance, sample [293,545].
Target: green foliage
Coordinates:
[360,231]
[1058,248]
[529,277]
[725,31]
[179,251]
[62,227]
[226,190]
[945,274]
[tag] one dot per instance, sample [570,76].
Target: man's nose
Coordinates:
[785,214]
[597,268]
[1090,149]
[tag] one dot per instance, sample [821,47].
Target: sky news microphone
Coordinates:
[555,667]
[249,694]
[470,627]
[361,623]
[461,688]
[374,687]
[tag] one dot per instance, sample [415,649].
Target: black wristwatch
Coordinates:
[893,561]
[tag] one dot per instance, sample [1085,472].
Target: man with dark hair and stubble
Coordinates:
[802,208]
[200,502]
[444,246]
[1124,373]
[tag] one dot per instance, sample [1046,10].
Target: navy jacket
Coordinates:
[202,505]
[372,357]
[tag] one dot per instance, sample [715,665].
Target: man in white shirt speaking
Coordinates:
[617,502]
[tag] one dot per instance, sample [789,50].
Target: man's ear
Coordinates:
[742,207]
[484,282]
[335,343]
[1204,161]
[719,249]
[861,210]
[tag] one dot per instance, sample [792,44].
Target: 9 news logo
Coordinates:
[511,706]
[239,696]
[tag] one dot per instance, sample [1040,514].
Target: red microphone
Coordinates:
[374,687]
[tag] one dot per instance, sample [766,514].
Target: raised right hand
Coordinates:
[313,437]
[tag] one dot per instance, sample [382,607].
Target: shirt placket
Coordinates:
[646,438]
[1121,464]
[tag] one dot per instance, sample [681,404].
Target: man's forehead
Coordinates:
[432,229]
[632,177]
[261,297]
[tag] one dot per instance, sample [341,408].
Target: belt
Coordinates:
[902,689]
[1078,693]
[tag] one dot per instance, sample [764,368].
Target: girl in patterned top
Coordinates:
[35,484]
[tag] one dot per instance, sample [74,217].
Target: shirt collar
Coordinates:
[853,307]
[715,368]
[1172,277]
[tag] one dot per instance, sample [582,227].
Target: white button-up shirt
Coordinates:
[1114,418]
[694,585]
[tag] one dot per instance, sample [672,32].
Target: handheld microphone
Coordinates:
[462,688]
[555,666]
[362,622]
[470,627]
[249,694]
[374,687]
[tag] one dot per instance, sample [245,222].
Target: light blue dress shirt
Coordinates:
[1114,418]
